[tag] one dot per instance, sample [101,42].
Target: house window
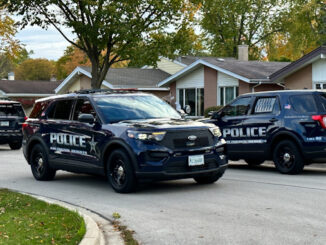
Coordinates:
[194,97]
[227,94]
[320,85]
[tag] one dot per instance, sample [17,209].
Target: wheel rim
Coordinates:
[286,158]
[39,164]
[118,173]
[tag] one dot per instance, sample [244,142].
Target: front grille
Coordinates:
[179,139]
[182,166]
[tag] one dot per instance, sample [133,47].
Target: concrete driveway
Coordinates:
[247,206]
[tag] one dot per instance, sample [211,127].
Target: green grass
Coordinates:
[26,220]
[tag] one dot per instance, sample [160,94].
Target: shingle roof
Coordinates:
[133,77]
[28,87]
[249,69]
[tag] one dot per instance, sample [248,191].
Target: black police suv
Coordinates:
[288,127]
[125,136]
[12,117]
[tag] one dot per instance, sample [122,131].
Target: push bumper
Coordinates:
[7,136]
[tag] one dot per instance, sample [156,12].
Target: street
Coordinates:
[247,206]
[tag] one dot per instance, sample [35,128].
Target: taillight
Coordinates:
[25,118]
[24,125]
[321,119]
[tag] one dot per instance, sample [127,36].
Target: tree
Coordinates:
[35,69]
[301,31]
[107,31]
[228,24]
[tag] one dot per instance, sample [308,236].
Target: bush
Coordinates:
[212,108]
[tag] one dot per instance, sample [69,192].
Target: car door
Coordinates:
[230,121]
[259,125]
[88,155]
[55,131]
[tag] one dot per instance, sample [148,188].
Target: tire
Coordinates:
[254,162]
[287,158]
[120,172]
[208,179]
[15,145]
[39,164]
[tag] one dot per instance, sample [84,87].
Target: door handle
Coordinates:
[273,120]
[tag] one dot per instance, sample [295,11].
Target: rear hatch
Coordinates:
[11,117]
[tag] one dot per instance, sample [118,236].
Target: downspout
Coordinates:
[253,88]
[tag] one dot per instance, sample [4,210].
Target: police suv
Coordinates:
[288,127]
[12,116]
[125,136]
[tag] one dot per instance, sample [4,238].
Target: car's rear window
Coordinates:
[322,97]
[11,110]
[303,103]
[39,108]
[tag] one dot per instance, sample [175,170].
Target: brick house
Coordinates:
[210,81]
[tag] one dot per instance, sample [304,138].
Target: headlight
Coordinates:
[158,136]
[216,131]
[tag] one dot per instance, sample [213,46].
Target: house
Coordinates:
[211,81]
[26,92]
[145,80]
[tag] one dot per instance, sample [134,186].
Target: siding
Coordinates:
[194,79]
[319,71]
[225,80]
[168,66]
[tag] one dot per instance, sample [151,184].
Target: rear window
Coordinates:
[10,110]
[38,109]
[323,101]
[303,103]
[265,105]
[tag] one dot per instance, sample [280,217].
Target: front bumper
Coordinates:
[175,166]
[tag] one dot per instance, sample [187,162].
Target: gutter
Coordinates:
[253,88]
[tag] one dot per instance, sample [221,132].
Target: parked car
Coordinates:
[12,117]
[288,127]
[126,136]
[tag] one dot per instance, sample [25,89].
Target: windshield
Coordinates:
[11,110]
[125,107]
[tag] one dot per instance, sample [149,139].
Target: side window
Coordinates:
[303,103]
[61,110]
[83,106]
[266,105]
[240,107]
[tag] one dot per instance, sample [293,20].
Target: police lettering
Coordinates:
[68,139]
[244,132]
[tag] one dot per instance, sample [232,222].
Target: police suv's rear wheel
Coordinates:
[120,172]
[287,158]
[254,162]
[208,179]
[16,145]
[39,164]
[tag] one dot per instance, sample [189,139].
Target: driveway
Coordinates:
[247,206]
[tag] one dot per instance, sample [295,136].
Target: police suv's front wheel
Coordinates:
[39,164]
[208,179]
[287,158]
[120,172]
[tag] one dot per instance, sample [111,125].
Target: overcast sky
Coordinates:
[47,44]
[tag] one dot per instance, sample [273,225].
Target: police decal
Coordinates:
[244,132]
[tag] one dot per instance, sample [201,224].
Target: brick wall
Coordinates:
[210,87]
[300,79]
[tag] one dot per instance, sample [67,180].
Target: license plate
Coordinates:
[196,160]
[4,124]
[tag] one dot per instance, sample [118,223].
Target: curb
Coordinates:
[99,231]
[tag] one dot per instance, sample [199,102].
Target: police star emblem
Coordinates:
[93,144]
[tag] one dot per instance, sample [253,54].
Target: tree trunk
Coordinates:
[95,83]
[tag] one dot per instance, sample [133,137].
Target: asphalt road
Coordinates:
[247,206]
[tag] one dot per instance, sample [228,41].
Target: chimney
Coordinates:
[243,52]
[11,76]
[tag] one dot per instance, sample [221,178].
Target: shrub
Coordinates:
[212,108]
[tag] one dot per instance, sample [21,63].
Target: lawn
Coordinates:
[26,220]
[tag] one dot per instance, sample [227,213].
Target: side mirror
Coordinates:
[187,109]
[86,118]
[216,115]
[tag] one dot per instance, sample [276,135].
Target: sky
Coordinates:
[47,44]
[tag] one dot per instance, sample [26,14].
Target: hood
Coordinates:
[165,124]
